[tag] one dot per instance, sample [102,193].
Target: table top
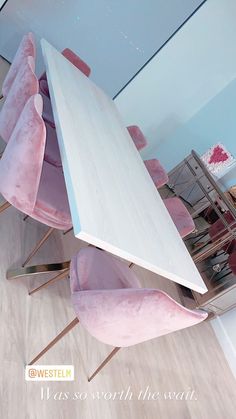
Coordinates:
[114,203]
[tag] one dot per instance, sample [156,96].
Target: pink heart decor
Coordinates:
[218,155]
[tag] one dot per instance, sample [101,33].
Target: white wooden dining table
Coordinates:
[113,201]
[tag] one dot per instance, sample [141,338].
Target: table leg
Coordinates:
[13,273]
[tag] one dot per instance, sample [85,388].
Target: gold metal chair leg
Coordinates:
[4,206]
[51,281]
[67,231]
[56,339]
[40,243]
[115,350]
[37,270]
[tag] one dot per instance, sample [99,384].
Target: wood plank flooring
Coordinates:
[188,360]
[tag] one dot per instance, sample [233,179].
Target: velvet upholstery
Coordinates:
[43,86]
[93,269]
[31,185]
[20,165]
[110,304]
[47,110]
[52,152]
[157,172]
[25,49]
[180,216]
[218,229]
[232,262]
[137,136]
[52,206]
[24,86]
[75,60]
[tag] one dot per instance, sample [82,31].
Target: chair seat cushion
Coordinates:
[157,172]
[52,152]
[180,216]
[52,206]
[93,269]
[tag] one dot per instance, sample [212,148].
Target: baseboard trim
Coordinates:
[4,59]
[225,343]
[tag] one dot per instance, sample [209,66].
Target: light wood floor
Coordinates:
[187,360]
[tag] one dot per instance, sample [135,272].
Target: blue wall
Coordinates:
[215,122]
[115,37]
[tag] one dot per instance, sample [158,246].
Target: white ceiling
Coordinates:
[115,37]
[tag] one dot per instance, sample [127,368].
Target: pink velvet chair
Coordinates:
[110,304]
[218,229]
[27,182]
[43,84]
[180,216]
[75,60]
[137,136]
[157,172]
[23,87]
[25,49]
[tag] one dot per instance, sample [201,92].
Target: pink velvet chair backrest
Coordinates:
[137,136]
[24,86]
[75,60]
[21,163]
[180,216]
[25,49]
[125,317]
[110,304]
[157,172]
